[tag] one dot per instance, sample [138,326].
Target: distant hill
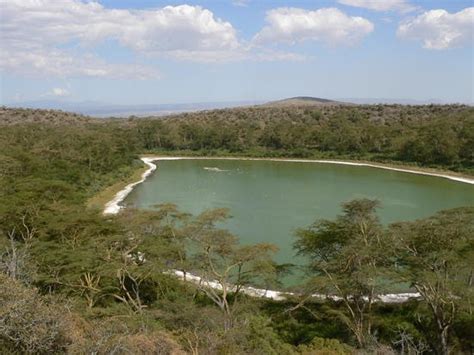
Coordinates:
[13,116]
[305,101]
[399,101]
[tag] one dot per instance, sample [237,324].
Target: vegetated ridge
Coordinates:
[305,101]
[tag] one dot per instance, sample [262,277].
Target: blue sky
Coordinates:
[154,52]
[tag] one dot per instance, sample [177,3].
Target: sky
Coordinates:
[161,52]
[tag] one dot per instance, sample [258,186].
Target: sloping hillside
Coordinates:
[9,116]
[305,101]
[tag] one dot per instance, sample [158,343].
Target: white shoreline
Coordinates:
[114,207]
[283,295]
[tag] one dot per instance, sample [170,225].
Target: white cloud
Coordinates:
[170,28]
[60,92]
[329,25]
[380,5]
[59,63]
[241,3]
[267,55]
[438,29]
[37,36]
[247,53]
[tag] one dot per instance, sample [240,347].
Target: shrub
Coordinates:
[30,322]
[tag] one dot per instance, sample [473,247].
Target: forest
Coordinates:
[75,281]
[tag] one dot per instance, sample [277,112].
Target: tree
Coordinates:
[223,265]
[153,243]
[15,261]
[436,256]
[346,258]
[435,143]
[171,229]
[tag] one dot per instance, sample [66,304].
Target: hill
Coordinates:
[19,116]
[304,101]
[369,132]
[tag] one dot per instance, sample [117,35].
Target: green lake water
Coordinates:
[268,200]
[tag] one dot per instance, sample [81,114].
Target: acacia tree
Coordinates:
[225,266]
[172,229]
[347,257]
[436,256]
[123,260]
[14,260]
[154,243]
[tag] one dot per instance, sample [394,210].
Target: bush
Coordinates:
[30,322]
[323,346]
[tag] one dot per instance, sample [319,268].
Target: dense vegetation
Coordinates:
[424,135]
[74,281]
[432,135]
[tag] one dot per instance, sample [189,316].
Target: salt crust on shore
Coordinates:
[114,207]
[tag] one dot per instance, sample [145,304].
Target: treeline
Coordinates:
[74,281]
[433,135]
